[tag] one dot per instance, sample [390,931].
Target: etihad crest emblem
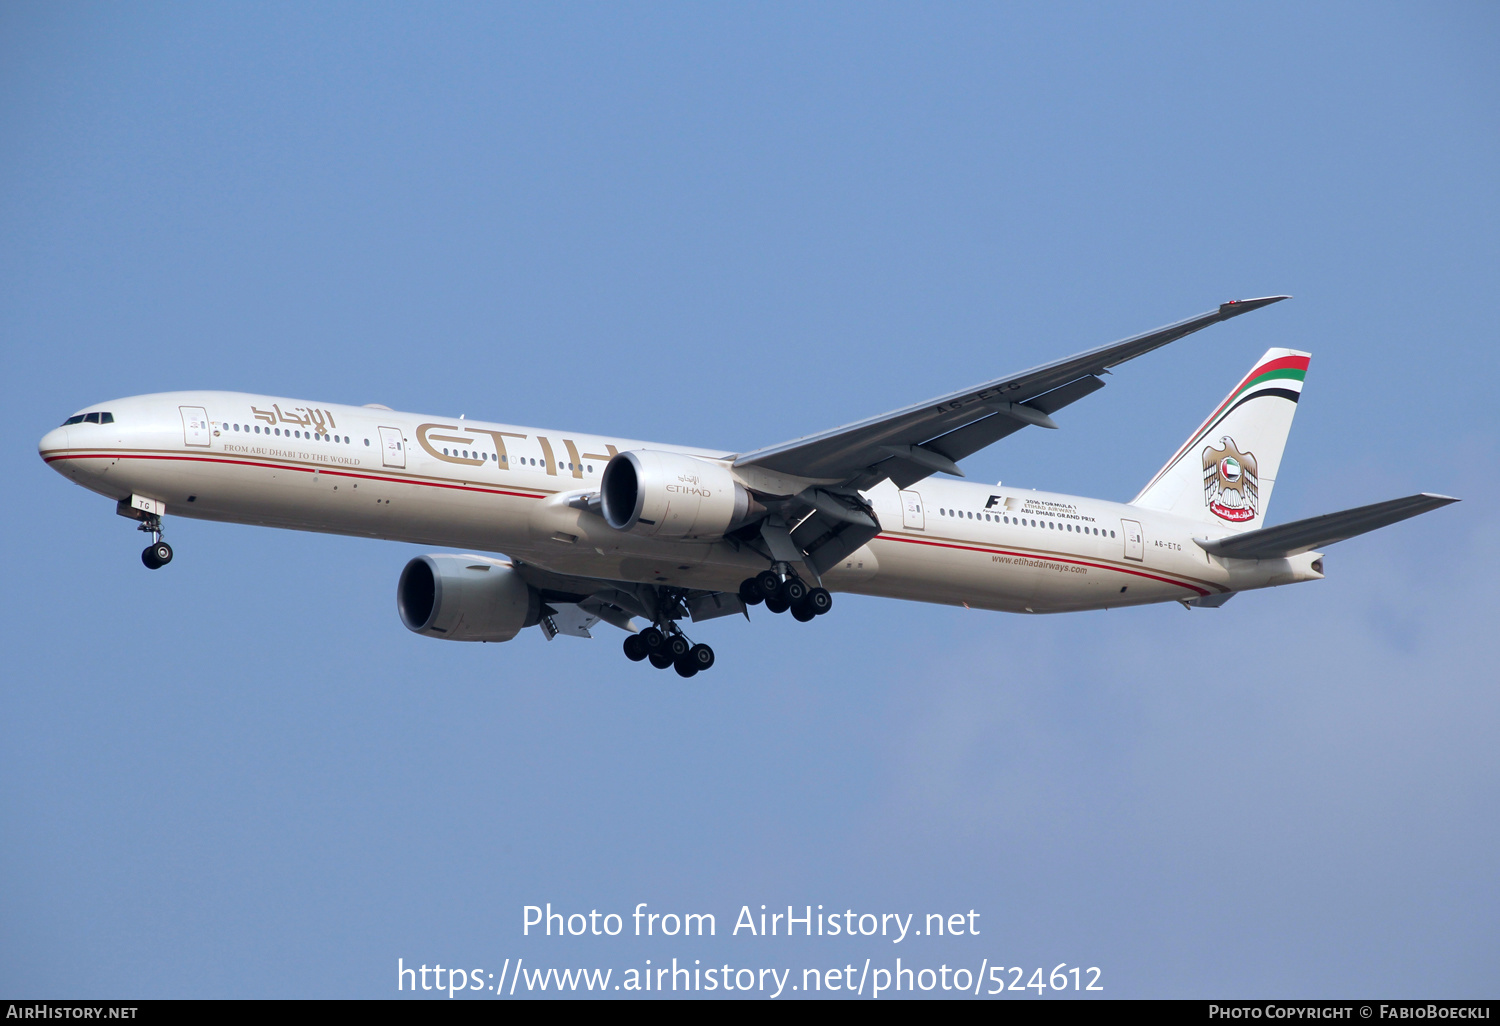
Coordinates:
[1230,485]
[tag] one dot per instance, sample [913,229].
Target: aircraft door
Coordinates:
[1135,540]
[195,428]
[912,517]
[392,451]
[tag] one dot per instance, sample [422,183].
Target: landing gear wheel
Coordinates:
[794,591]
[819,600]
[803,611]
[653,639]
[701,656]
[684,667]
[157,555]
[659,660]
[768,583]
[677,646]
[750,593]
[777,604]
[635,648]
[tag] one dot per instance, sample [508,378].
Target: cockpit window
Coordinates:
[90,418]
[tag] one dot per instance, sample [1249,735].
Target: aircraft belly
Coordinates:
[944,571]
[332,501]
[986,575]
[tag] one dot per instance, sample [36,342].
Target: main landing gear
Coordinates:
[669,647]
[781,590]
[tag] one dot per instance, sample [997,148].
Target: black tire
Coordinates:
[163,552]
[684,667]
[660,661]
[777,604]
[820,600]
[148,556]
[701,656]
[794,591]
[635,648]
[768,583]
[750,592]
[803,611]
[652,638]
[678,646]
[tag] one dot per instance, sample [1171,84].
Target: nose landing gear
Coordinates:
[148,512]
[157,555]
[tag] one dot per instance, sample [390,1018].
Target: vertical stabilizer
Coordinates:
[1225,471]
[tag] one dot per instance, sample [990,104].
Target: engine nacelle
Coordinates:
[669,495]
[466,598]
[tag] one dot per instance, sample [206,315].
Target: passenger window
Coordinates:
[367,441]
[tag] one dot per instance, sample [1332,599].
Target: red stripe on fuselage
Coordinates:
[301,469]
[1055,559]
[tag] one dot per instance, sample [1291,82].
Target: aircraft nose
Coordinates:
[52,441]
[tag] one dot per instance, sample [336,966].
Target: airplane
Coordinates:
[600,529]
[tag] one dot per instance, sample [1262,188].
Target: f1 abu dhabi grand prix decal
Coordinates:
[1230,486]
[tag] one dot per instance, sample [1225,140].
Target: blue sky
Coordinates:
[731,226]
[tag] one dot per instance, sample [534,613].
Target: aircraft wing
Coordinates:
[571,604]
[1315,532]
[910,444]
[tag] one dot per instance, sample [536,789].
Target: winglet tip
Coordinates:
[1235,307]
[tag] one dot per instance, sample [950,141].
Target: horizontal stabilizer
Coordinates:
[1315,532]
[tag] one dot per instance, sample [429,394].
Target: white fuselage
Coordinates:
[489,487]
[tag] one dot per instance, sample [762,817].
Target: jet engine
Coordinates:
[669,495]
[466,598]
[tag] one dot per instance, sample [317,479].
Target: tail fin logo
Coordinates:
[1231,488]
